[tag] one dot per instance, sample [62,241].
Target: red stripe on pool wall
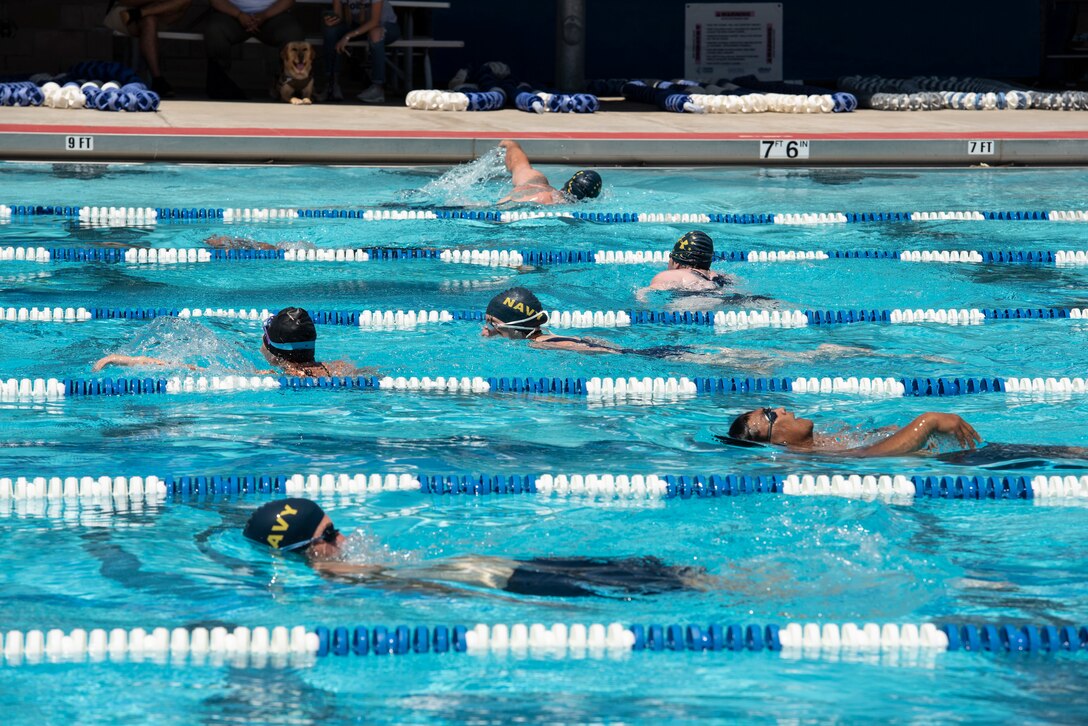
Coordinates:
[536,135]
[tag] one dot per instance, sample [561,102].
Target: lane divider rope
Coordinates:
[404,319]
[149,215]
[515,258]
[792,639]
[638,390]
[900,487]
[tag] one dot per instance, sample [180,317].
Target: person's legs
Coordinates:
[280,30]
[220,36]
[378,37]
[149,44]
[331,36]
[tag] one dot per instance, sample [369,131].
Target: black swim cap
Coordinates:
[694,249]
[285,524]
[584,183]
[517,308]
[290,334]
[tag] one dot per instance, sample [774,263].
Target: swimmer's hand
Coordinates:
[950,423]
[134,360]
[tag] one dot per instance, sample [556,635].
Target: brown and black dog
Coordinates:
[296,83]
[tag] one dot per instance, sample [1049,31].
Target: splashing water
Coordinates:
[188,342]
[363,548]
[467,184]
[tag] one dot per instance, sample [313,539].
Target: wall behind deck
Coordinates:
[823,39]
[633,38]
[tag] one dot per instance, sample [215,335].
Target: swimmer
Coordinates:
[301,527]
[226,242]
[532,186]
[517,314]
[779,427]
[288,344]
[689,266]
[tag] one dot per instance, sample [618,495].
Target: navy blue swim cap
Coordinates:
[291,334]
[285,524]
[517,308]
[583,184]
[694,249]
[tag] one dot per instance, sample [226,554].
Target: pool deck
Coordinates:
[621,133]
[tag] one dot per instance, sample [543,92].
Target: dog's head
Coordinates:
[298,59]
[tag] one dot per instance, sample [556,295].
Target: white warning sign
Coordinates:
[726,40]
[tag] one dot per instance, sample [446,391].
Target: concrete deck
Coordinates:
[620,133]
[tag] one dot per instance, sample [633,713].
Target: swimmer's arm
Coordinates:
[577,345]
[223,242]
[386,578]
[520,168]
[137,360]
[915,435]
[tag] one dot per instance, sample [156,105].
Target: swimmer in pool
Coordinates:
[301,527]
[532,186]
[689,266]
[227,242]
[779,427]
[288,344]
[517,314]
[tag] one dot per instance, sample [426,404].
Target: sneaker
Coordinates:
[334,93]
[374,94]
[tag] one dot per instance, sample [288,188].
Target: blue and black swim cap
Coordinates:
[517,308]
[694,249]
[291,334]
[285,524]
[584,184]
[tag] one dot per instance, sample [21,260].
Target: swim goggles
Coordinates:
[768,414]
[517,324]
[328,536]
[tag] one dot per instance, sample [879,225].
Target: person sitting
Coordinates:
[300,527]
[142,19]
[689,266]
[530,185]
[348,20]
[288,344]
[233,21]
[779,427]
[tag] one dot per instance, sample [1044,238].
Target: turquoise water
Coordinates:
[183,563]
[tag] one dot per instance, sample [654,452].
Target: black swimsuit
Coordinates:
[588,576]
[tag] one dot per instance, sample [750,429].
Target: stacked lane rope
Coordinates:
[492,87]
[932,93]
[689,97]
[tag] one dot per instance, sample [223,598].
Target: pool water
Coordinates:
[181,562]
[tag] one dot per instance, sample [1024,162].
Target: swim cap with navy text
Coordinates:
[285,524]
[517,308]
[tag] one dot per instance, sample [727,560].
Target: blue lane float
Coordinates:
[562,319]
[541,257]
[168,214]
[641,389]
[21,93]
[1048,489]
[305,646]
